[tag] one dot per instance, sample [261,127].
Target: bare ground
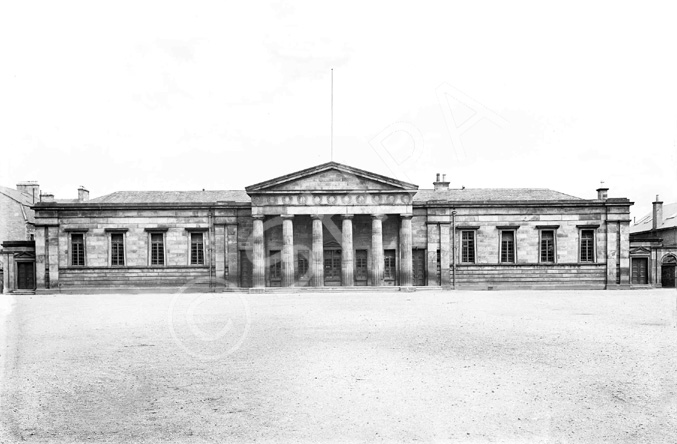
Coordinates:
[557,366]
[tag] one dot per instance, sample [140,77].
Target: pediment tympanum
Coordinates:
[332,188]
[331,177]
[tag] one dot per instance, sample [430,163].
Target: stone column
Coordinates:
[377,250]
[288,274]
[347,253]
[258,262]
[444,254]
[406,241]
[317,262]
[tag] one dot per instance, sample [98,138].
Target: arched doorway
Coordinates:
[668,266]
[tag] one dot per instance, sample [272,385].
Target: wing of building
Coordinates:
[653,247]
[333,225]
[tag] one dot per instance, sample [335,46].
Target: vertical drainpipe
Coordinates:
[212,241]
[606,247]
[453,249]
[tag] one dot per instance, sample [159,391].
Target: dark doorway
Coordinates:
[25,275]
[361,271]
[640,268]
[245,270]
[418,267]
[668,276]
[332,268]
[389,267]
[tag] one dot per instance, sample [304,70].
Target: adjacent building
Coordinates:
[17,230]
[332,226]
[653,247]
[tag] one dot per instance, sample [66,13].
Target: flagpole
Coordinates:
[332,115]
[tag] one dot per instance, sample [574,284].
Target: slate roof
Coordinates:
[646,222]
[492,194]
[19,197]
[210,196]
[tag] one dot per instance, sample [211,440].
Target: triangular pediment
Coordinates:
[640,250]
[331,177]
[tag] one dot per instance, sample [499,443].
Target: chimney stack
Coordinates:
[83,194]
[31,188]
[657,213]
[441,184]
[602,193]
[48,198]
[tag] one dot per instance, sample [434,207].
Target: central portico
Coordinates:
[332,225]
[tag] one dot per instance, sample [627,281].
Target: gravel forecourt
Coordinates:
[450,366]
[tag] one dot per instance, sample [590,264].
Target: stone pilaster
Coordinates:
[377,264]
[406,241]
[232,258]
[445,254]
[433,245]
[317,262]
[287,251]
[258,262]
[347,253]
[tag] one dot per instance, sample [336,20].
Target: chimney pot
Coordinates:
[657,214]
[31,188]
[48,198]
[602,193]
[83,194]
[437,177]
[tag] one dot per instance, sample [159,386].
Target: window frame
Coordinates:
[540,245]
[582,229]
[82,233]
[190,248]
[503,230]
[151,249]
[462,244]
[123,235]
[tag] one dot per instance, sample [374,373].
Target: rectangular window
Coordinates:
[275,265]
[157,248]
[77,249]
[302,262]
[117,249]
[389,258]
[587,246]
[507,246]
[468,247]
[197,249]
[547,245]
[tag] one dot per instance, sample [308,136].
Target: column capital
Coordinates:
[378,216]
[257,216]
[317,216]
[347,216]
[406,216]
[287,216]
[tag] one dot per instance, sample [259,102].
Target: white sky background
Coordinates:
[184,96]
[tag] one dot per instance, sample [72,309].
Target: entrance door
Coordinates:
[668,276]
[361,271]
[25,276]
[389,267]
[332,268]
[245,270]
[418,267]
[640,268]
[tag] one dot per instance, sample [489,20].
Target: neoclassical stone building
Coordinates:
[333,225]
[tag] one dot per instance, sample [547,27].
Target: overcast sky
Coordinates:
[184,96]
